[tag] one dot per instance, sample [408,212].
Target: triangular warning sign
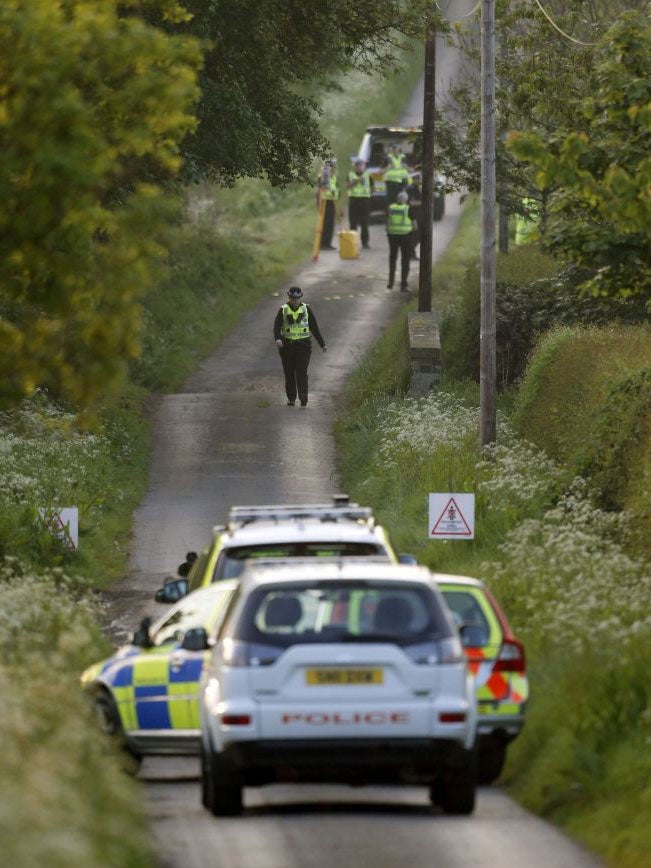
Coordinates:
[451,522]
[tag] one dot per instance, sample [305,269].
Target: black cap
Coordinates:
[295,292]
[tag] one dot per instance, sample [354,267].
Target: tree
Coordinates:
[600,213]
[92,102]
[540,75]
[264,61]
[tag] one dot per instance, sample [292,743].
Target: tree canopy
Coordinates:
[90,102]
[600,167]
[540,76]
[258,114]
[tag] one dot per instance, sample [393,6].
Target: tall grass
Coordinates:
[65,802]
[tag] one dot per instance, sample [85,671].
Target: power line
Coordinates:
[562,32]
[461,17]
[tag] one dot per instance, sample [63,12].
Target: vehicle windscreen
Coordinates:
[232,562]
[403,614]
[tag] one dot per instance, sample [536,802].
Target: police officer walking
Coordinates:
[359,199]
[292,327]
[399,229]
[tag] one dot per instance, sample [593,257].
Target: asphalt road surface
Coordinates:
[228,438]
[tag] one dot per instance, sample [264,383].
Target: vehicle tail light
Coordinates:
[511,657]
[452,716]
[236,719]
[447,650]
[236,653]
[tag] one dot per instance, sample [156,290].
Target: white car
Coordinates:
[338,672]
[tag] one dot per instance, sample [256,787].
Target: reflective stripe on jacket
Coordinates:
[398,221]
[361,188]
[295,325]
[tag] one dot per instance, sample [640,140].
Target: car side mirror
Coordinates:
[411,560]
[141,638]
[196,639]
[172,591]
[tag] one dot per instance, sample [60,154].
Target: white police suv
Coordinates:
[337,672]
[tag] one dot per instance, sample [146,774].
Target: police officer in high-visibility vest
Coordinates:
[292,327]
[328,189]
[399,229]
[359,186]
[396,174]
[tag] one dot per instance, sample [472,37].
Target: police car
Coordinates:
[344,672]
[145,695]
[497,661]
[337,529]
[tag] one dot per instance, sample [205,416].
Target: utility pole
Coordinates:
[487,366]
[427,188]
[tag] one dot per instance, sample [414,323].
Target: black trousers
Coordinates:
[295,356]
[358,210]
[402,243]
[328,224]
[393,188]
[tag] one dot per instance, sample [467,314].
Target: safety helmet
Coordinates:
[295,292]
[403,197]
[360,162]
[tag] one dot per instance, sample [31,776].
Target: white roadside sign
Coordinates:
[63,523]
[451,516]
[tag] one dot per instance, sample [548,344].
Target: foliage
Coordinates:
[47,462]
[71,806]
[263,64]
[532,296]
[600,215]
[586,400]
[537,74]
[92,102]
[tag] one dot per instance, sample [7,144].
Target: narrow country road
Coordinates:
[228,438]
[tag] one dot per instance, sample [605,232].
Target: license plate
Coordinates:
[325,677]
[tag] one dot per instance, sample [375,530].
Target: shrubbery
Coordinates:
[70,805]
[532,296]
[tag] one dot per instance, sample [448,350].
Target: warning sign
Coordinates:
[63,524]
[451,516]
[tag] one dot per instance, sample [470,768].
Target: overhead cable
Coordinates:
[562,32]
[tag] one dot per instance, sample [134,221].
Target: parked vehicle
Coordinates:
[338,672]
[373,150]
[145,694]
[497,660]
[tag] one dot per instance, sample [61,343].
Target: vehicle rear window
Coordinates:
[232,561]
[468,613]
[403,614]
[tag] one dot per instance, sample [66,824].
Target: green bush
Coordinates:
[66,801]
[532,296]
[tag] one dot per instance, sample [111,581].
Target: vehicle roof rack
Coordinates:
[340,508]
